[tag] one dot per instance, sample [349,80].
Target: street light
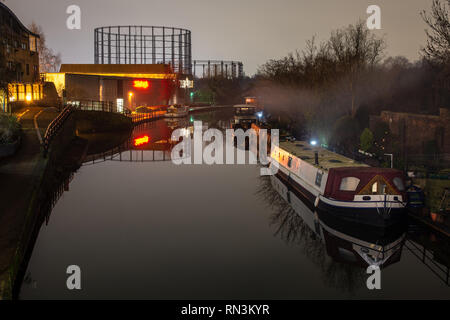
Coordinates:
[130,99]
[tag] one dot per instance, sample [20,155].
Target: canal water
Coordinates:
[144,228]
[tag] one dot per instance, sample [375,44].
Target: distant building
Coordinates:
[416,132]
[125,85]
[21,58]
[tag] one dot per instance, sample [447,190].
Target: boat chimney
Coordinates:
[316,157]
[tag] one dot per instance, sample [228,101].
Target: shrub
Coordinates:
[346,134]
[9,128]
[366,140]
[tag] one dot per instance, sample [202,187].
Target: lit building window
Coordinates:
[119,103]
[28,91]
[32,43]
[21,88]
[36,92]
[12,88]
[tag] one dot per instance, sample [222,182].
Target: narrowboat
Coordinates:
[416,197]
[342,186]
[345,242]
[244,116]
[176,112]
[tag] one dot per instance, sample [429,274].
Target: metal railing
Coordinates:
[427,258]
[91,105]
[141,117]
[54,128]
[108,106]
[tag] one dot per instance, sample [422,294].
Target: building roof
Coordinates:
[4,7]
[327,158]
[116,68]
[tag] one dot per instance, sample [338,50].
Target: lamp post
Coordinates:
[392,159]
[130,99]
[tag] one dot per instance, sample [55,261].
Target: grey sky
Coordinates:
[252,31]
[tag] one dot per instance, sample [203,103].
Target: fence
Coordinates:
[108,106]
[426,257]
[91,105]
[54,127]
[141,117]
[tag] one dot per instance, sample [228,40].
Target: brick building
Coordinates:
[417,132]
[21,59]
[125,85]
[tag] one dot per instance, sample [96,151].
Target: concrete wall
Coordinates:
[82,87]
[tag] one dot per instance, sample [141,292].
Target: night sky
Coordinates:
[251,31]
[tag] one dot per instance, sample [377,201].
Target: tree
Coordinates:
[49,61]
[438,43]
[366,140]
[345,134]
[437,50]
[355,49]
[6,74]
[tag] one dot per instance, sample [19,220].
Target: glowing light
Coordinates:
[119,103]
[259,114]
[142,140]
[28,97]
[186,83]
[141,84]
[130,94]
[313,142]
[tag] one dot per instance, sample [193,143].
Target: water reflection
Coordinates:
[151,141]
[341,249]
[214,240]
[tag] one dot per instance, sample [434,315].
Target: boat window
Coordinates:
[349,184]
[290,162]
[319,178]
[378,188]
[375,187]
[399,183]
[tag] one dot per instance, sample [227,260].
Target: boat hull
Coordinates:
[373,216]
[376,214]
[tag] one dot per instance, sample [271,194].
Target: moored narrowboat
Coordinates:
[342,186]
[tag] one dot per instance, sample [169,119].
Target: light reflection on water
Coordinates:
[154,230]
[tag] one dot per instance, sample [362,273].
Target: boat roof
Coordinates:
[327,158]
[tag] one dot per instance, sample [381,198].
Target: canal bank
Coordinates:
[28,179]
[20,176]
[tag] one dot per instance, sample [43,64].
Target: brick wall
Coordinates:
[415,131]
